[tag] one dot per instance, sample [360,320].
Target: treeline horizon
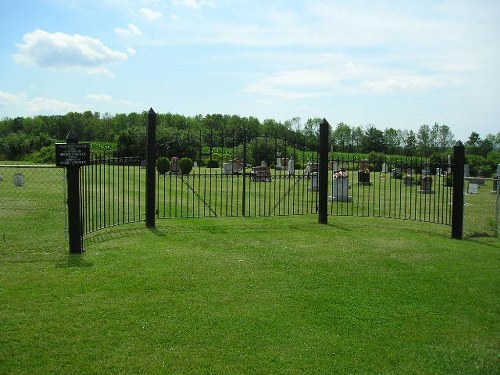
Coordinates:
[21,137]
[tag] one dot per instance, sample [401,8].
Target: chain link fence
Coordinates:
[481,207]
[32,208]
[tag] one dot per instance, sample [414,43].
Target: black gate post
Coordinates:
[150,169]
[244,193]
[457,219]
[75,231]
[324,132]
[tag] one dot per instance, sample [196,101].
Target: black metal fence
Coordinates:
[112,192]
[247,174]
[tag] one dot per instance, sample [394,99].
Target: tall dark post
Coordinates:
[457,220]
[74,213]
[150,169]
[324,132]
[243,194]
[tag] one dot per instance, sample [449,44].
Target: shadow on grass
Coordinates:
[119,233]
[74,260]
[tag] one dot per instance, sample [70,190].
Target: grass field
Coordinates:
[252,296]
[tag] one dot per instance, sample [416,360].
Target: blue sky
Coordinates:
[388,63]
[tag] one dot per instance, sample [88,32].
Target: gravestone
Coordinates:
[408,180]
[19,179]
[396,173]
[291,167]
[384,168]
[278,163]
[233,167]
[341,189]
[174,165]
[426,185]
[364,178]
[314,181]
[466,171]
[262,174]
[426,171]
[473,188]
[310,169]
[438,171]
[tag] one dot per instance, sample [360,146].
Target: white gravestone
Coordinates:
[384,168]
[291,167]
[278,163]
[473,188]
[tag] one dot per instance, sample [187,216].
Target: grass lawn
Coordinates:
[253,296]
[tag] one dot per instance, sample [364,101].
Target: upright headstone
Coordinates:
[341,188]
[466,171]
[426,185]
[473,188]
[291,167]
[19,179]
[449,164]
[278,163]
[314,183]
[174,165]
[384,168]
[438,171]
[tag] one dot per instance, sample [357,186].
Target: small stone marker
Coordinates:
[384,168]
[314,181]
[19,179]
[473,188]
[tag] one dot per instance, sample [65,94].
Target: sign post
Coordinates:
[72,155]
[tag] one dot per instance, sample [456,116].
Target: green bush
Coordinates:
[163,165]
[186,165]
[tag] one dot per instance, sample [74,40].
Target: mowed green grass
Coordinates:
[253,296]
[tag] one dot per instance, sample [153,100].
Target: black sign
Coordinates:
[72,154]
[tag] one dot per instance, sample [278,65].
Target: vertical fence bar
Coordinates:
[457,219]
[150,169]
[324,132]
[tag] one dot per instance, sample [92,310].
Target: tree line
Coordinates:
[33,137]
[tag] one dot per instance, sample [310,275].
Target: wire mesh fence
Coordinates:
[481,207]
[32,206]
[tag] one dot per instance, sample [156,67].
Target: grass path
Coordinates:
[254,296]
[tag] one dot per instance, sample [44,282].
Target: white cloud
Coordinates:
[66,52]
[150,15]
[194,4]
[108,99]
[21,104]
[131,30]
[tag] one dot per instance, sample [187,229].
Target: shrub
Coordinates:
[163,165]
[186,165]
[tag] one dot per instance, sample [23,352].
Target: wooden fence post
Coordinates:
[457,219]
[150,169]
[324,132]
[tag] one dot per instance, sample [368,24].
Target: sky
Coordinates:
[386,63]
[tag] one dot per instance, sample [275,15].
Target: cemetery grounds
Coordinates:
[244,295]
